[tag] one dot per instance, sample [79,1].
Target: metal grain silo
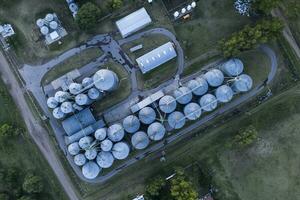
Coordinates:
[105,159]
[198,86]
[140,140]
[49,17]
[242,83]
[74,148]
[183,95]
[100,134]
[44,30]
[115,132]
[82,99]
[224,93]
[192,111]
[75,88]
[52,103]
[85,142]
[147,115]
[61,96]
[53,25]
[156,131]
[87,82]
[57,113]
[167,104]
[40,22]
[105,80]
[131,124]
[176,120]
[208,102]
[120,150]
[67,107]
[90,154]
[80,159]
[94,94]
[214,77]
[90,170]
[233,67]
[106,145]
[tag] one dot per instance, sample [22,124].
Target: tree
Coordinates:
[115,4]
[265,6]
[154,187]
[6,131]
[246,137]
[32,184]
[4,196]
[88,16]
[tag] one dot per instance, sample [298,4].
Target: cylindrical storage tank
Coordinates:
[44,30]
[74,148]
[106,145]
[176,120]
[214,77]
[95,94]
[193,4]
[53,25]
[183,95]
[167,104]
[87,82]
[242,83]
[147,115]
[82,99]
[77,107]
[183,10]
[80,160]
[140,140]
[57,113]
[120,150]
[224,93]
[115,132]
[75,88]
[90,170]
[100,134]
[61,96]
[90,154]
[85,142]
[198,86]
[105,159]
[192,111]
[49,17]
[156,131]
[208,102]
[233,67]
[40,22]
[176,14]
[67,107]
[52,103]
[105,80]
[189,7]
[131,124]
[73,7]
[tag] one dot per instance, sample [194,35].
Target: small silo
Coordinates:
[208,102]
[183,95]
[115,132]
[90,154]
[214,77]
[53,25]
[61,96]
[52,103]
[105,80]
[73,7]
[90,170]
[147,115]
[120,150]
[87,82]
[85,142]
[80,160]
[49,17]
[192,111]
[106,145]
[131,124]
[156,131]
[233,67]
[242,83]
[74,148]
[67,107]
[198,86]
[167,104]
[100,134]
[176,120]
[140,140]
[57,113]
[94,94]
[44,30]
[82,99]
[176,14]
[40,22]
[105,159]
[193,4]
[224,93]
[189,7]
[75,88]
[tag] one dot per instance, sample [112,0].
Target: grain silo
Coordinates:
[75,88]
[198,86]
[208,102]
[242,83]
[167,104]
[85,142]
[44,30]
[40,23]
[105,159]
[176,120]
[67,107]
[224,93]
[80,159]
[120,150]
[140,140]
[214,77]
[183,95]
[147,115]
[156,131]
[192,111]
[90,170]
[74,148]
[90,154]
[106,145]
[57,113]
[115,132]
[105,80]
[49,17]
[233,67]
[53,25]
[87,82]
[100,134]
[131,124]
[52,103]
[61,96]
[94,94]
[82,99]
[193,4]
[176,14]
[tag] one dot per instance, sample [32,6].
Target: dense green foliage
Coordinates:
[246,137]
[88,16]
[32,184]
[115,4]
[154,187]
[265,6]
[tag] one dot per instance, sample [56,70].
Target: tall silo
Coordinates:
[100,134]
[208,102]
[80,160]
[147,115]
[167,104]
[233,67]
[242,83]
[183,95]
[53,25]
[85,142]
[49,17]
[57,113]
[44,30]
[67,107]
[61,96]
[176,120]
[74,148]
[192,111]
[115,132]
[131,124]
[95,94]
[198,86]
[120,150]
[140,140]
[90,154]
[82,99]
[214,77]
[106,145]
[75,88]
[156,131]
[90,170]
[87,82]
[52,103]
[224,93]
[105,159]
[105,80]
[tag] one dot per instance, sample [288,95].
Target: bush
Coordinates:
[32,184]
[246,137]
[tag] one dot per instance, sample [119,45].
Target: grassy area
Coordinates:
[74,62]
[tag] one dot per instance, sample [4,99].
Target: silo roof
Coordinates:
[52,103]
[208,102]
[105,79]
[156,131]
[198,86]
[192,111]
[100,134]
[167,104]
[80,160]
[183,95]
[105,159]
[176,120]
[87,82]
[233,67]
[214,77]
[90,170]
[147,115]
[81,99]
[90,154]
[243,83]
[140,140]
[93,93]
[131,124]
[57,113]
[85,142]
[120,150]
[106,145]
[66,107]
[74,148]
[224,93]
[115,132]
[75,88]
[61,96]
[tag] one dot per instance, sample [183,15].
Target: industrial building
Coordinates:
[6,30]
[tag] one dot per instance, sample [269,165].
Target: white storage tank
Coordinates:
[242,83]
[49,17]
[82,99]
[52,103]
[198,86]
[85,142]
[53,25]
[183,95]
[131,124]
[156,131]
[224,93]
[167,104]
[214,77]
[80,160]
[61,96]
[140,140]
[95,94]
[75,88]
[100,134]
[147,115]
[87,82]
[176,120]
[233,67]
[105,159]
[44,30]
[208,102]
[74,148]
[40,22]
[105,80]
[90,170]
[106,145]
[67,107]
[90,154]
[115,132]
[57,113]
[120,150]
[192,111]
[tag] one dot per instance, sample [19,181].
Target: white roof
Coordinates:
[133,22]
[90,170]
